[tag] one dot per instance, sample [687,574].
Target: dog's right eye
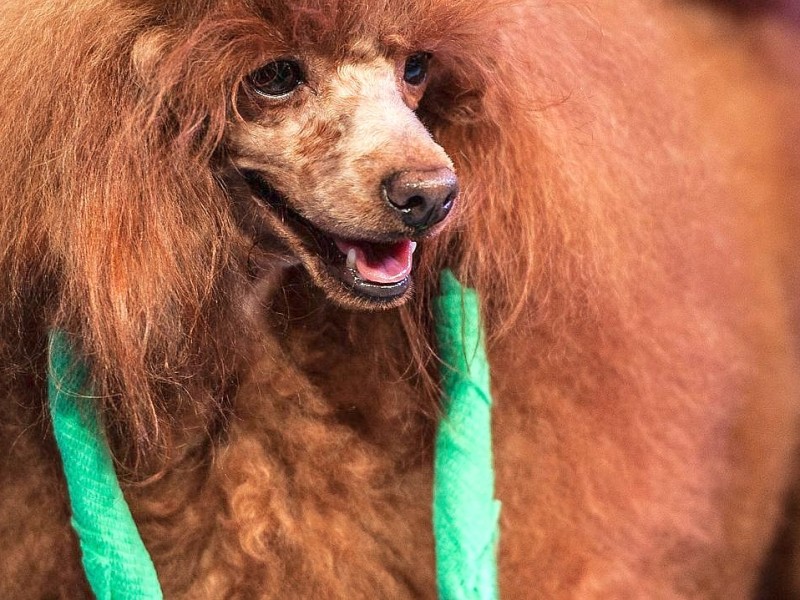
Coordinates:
[277,78]
[416,68]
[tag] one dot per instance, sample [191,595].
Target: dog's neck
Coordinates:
[267,272]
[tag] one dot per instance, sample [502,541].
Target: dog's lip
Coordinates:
[377,271]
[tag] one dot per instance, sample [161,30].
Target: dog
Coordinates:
[237,212]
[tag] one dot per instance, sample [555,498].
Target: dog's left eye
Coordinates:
[416,69]
[276,79]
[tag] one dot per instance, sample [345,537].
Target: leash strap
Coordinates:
[465,513]
[115,560]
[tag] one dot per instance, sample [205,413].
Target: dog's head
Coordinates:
[322,121]
[327,154]
[177,149]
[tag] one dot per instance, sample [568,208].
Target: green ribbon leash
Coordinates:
[465,513]
[115,560]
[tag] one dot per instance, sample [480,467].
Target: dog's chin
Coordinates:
[354,273]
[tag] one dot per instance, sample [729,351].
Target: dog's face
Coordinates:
[328,157]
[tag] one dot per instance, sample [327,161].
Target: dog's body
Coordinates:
[177,178]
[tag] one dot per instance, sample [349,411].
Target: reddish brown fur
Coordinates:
[628,213]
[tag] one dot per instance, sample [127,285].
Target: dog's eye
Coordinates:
[416,69]
[276,79]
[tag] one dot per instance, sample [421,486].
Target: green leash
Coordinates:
[465,514]
[115,560]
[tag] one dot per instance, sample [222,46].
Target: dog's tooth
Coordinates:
[351,258]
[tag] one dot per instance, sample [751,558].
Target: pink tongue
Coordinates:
[381,263]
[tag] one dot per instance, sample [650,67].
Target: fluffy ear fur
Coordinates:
[119,232]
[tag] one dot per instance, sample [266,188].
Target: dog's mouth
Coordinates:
[377,270]
[372,272]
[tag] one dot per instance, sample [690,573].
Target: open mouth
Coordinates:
[378,272]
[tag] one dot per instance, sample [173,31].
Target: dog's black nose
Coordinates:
[423,198]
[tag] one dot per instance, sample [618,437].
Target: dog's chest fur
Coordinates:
[322,487]
[318,487]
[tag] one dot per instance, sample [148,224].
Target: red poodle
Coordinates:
[237,211]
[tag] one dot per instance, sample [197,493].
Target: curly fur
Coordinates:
[628,212]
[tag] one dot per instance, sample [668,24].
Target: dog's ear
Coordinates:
[157,273]
[120,232]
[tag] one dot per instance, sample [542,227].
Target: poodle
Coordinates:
[237,212]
